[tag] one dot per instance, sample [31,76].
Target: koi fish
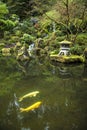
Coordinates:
[32,94]
[32,107]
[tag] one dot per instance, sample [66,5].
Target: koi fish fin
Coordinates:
[20,99]
[21,109]
[34,95]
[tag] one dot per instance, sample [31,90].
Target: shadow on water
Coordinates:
[63,92]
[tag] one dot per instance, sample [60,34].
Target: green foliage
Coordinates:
[18,33]
[54,52]
[54,14]
[3,9]
[25,26]
[2,23]
[26,8]
[14,17]
[27,38]
[9,24]
[29,20]
[13,39]
[6,25]
[77,50]
[82,39]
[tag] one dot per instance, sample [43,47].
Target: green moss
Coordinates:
[74,58]
[68,59]
[54,52]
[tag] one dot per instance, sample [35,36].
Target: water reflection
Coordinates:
[85,73]
[25,129]
[47,127]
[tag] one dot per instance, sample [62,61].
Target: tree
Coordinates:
[72,16]
[27,8]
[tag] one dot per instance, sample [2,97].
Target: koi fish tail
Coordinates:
[20,99]
[21,109]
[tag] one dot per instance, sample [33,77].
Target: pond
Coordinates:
[62,91]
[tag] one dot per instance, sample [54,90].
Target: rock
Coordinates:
[6,51]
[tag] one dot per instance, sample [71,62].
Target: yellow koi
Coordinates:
[32,107]
[32,94]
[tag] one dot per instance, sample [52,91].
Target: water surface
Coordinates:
[63,93]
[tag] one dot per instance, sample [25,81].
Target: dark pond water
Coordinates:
[63,93]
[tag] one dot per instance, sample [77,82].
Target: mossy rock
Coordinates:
[68,59]
[6,51]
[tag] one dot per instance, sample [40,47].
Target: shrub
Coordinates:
[82,39]
[27,38]
[77,50]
